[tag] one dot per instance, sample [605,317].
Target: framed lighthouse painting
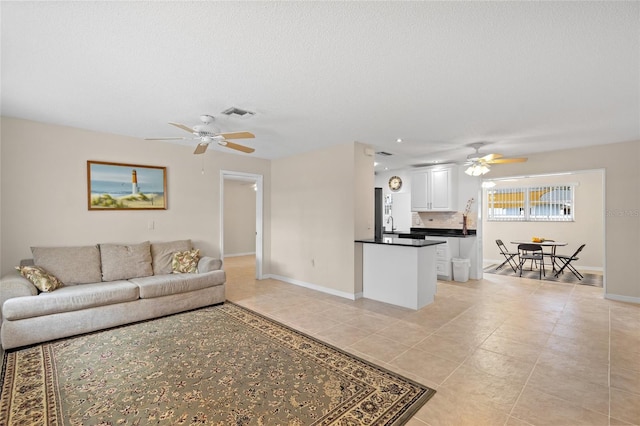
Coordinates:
[117,186]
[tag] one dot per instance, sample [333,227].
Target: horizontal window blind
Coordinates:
[552,203]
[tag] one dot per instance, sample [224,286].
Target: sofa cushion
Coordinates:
[185,262]
[163,285]
[43,280]
[162,254]
[121,262]
[72,265]
[69,298]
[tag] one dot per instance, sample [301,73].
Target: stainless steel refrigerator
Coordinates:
[378,213]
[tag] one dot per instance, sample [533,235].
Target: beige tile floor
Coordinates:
[499,351]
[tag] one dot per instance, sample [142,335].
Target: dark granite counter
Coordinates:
[405,242]
[417,233]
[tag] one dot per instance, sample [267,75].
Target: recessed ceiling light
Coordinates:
[399,140]
[375,163]
[386,168]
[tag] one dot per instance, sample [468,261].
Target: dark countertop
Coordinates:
[419,233]
[437,232]
[405,242]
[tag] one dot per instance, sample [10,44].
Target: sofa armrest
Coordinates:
[15,285]
[208,264]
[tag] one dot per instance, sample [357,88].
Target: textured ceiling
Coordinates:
[526,76]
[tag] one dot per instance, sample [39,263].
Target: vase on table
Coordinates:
[464,225]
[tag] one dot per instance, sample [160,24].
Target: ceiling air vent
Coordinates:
[238,112]
[386,154]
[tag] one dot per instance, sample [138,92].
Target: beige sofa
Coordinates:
[105,285]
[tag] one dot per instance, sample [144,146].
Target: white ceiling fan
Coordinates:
[480,164]
[206,133]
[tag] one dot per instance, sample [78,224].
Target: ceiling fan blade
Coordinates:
[490,157]
[183,127]
[238,135]
[163,139]
[507,160]
[237,147]
[201,148]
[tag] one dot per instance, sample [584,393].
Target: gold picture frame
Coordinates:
[120,186]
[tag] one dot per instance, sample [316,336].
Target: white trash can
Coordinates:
[461,269]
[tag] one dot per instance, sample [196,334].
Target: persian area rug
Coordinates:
[218,365]
[566,277]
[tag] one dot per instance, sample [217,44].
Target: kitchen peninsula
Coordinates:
[399,271]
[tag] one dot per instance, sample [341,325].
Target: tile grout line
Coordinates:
[562,399]
[517,298]
[535,364]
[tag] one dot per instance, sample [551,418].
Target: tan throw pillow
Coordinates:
[43,280]
[72,265]
[162,254]
[185,262]
[121,262]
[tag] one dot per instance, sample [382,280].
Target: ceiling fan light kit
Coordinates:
[477,170]
[207,134]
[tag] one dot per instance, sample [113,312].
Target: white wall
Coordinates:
[239,218]
[44,190]
[316,198]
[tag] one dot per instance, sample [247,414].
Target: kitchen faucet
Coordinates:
[390,218]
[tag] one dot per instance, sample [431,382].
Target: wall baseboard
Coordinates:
[489,262]
[240,254]
[314,287]
[620,298]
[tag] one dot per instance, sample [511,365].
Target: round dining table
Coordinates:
[546,243]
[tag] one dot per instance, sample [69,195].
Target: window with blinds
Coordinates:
[553,203]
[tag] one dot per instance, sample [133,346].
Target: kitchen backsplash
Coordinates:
[448,220]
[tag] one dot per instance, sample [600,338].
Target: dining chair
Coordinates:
[509,256]
[566,262]
[532,252]
[551,251]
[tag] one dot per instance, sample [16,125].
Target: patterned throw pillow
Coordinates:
[43,280]
[185,262]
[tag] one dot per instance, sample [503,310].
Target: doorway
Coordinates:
[585,227]
[238,223]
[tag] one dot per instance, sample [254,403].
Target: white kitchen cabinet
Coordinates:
[444,253]
[434,189]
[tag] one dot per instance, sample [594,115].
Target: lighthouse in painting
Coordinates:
[134,182]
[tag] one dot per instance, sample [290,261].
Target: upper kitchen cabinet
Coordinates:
[433,189]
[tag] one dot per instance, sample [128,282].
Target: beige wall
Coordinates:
[363,209]
[239,218]
[314,198]
[313,206]
[44,190]
[622,204]
[588,227]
